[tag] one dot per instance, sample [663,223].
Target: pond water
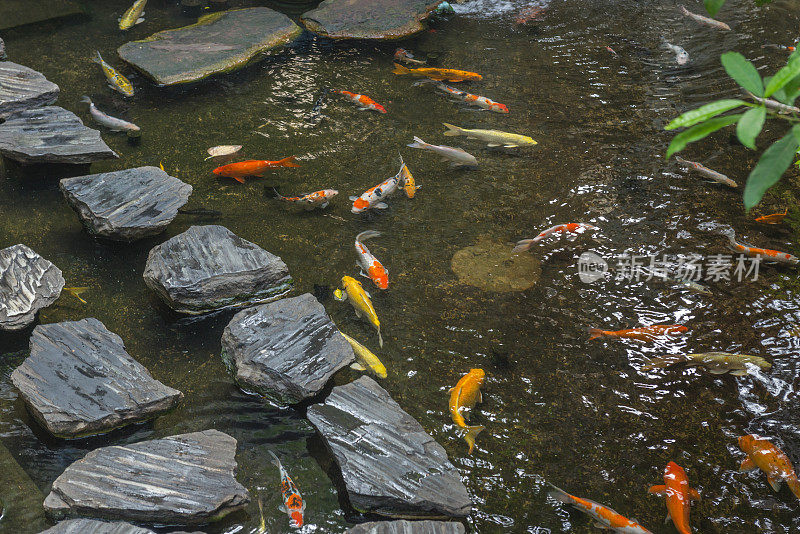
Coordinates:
[556,407]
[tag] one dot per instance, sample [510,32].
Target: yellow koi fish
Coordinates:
[407,180]
[133,16]
[366,358]
[116,81]
[465,395]
[354,291]
[492,137]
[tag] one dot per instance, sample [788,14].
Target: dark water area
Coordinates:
[557,407]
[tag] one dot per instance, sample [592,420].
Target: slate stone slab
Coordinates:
[408,527]
[126,205]
[28,283]
[209,268]
[79,380]
[93,526]
[390,466]
[22,88]
[178,480]
[286,350]
[2,50]
[51,135]
[369,19]
[217,43]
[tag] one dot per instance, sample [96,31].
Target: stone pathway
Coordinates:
[28,283]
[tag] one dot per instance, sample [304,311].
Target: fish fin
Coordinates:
[666,519]
[380,337]
[353,197]
[400,69]
[287,162]
[694,495]
[418,143]
[522,246]
[324,205]
[453,164]
[472,433]
[747,465]
[509,146]
[274,459]
[381,206]
[600,525]
[451,389]
[659,489]
[282,508]
[794,485]
[480,396]
[86,100]
[594,333]
[559,494]
[339,295]
[362,273]
[775,483]
[98,59]
[659,362]
[358,366]
[139,20]
[493,144]
[367,234]
[717,371]
[452,130]
[239,179]
[739,372]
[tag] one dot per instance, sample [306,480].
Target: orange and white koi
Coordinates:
[465,394]
[679,496]
[238,171]
[373,197]
[482,102]
[572,228]
[765,253]
[293,503]
[401,54]
[407,180]
[445,75]
[604,517]
[708,173]
[370,266]
[362,101]
[764,455]
[317,199]
[774,218]
[645,333]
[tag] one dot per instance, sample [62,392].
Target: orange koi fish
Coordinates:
[401,54]
[572,228]
[317,199]
[463,96]
[679,496]
[604,517]
[775,218]
[767,254]
[646,333]
[252,167]
[373,197]
[762,454]
[464,395]
[293,503]
[370,266]
[444,75]
[363,101]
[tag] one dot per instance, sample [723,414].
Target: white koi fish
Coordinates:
[373,197]
[573,228]
[456,156]
[482,102]
[681,55]
[112,123]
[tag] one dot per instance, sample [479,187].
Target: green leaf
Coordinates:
[784,76]
[699,131]
[690,118]
[740,69]
[750,125]
[769,169]
[792,89]
[713,6]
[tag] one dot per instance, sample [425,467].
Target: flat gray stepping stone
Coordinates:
[389,464]
[369,19]
[219,43]
[79,380]
[126,205]
[286,350]
[51,135]
[408,527]
[28,283]
[209,268]
[93,526]
[186,479]
[22,88]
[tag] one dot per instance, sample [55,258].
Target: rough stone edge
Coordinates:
[395,34]
[26,324]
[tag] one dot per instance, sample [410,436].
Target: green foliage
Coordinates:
[750,126]
[700,131]
[773,163]
[690,118]
[743,72]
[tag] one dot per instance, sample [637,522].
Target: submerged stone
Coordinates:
[218,43]
[126,205]
[79,380]
[491,266]
[2,50]
[369,19]
[186,479]
[408,527]
[28,283]
[208,268]
[51,135]
[22,88]
[286,350]
[93,526]
[389,464]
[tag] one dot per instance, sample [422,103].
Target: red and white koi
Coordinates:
[373,197]
[401,54]
[604,517]
[317,199]
[293,503]
[482,102]
[364,102]
[370,266]
[766,254]
[573,228]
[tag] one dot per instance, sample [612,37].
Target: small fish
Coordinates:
[611,50]
[316,114]
[573,228]
[678,495]
[774,218]
[112,123]
[360,300]
[77,292]
[530,14]
[366,358]
[364,102]
[691,285]
[767,254]
[474,100]
[764,455]
[705,20]
[456,156]
[317,199]
[370,266]
[645,333]
[779,47]
[222,151]
[115,80]
[373,197]
[492,137]
[262,525]
[444,75]
[708,173]
[161,166]
[407,180]
[780,107]
[681,55]
[293,503]
[717,363]
[465,394]
[401,54]
[133,16]
[239,170]
[604,517]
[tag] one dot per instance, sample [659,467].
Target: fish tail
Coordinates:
[684,10]
[425,81]
[399,69]
[287,162]
[86,99]
[278,195]
[523,246]
[98,59]
[594,333]
[472,433]
[274,459]
[380,337]
[452,130]
[794,485]
[559,494]
[418,143]
[367,234]
[402,163]
[656,363]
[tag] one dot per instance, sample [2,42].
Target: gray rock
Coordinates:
[22,88]
[218,43]
[2,49]
[408,527]
[369,19]
[28,283]
[51,135]
[126,205]
[390,466]
[208,268]
[286,350]
[186,479]
[79,380]
[93,526]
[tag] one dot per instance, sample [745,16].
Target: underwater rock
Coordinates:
[218,43]
[28,283]
[79,380]
[22,88]
[2,50]
[286,350]
[369,19]
[126,205]
[208,268]
[51,135]
[408,527]
[186,479]
[389,464]
[93,526]
[491,266]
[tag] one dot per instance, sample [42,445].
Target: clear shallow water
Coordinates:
[557,407]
